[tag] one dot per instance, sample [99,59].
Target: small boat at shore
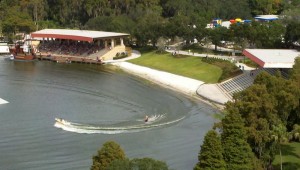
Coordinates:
[22,53]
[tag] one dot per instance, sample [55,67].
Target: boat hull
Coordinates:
[25,57]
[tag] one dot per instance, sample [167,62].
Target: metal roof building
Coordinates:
[272,58]
[266,17]
[77,35]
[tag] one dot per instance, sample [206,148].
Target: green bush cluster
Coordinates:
[112,157]
[228,69]
[249,63]
[120,56]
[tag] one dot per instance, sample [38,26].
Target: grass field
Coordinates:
[187,66]
[290,157]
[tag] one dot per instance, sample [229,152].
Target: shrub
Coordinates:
[120,55]
[228,69]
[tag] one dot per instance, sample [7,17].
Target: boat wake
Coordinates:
[154,121]
[3,101]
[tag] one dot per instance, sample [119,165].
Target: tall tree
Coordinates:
[295,74]
[148,163]
[16,21]
[138,164]
[207,9]
[235,9]
[280,135]
[172,8]
[149,29]
[237,152]
[211,154]
[109,152]
[266,7]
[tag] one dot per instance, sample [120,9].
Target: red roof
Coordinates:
[272,58]
[78,35]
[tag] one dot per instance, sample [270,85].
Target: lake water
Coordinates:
[103,104]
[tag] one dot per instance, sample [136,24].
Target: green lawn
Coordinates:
[188,66]
[290,157]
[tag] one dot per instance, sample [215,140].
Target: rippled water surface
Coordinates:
[98,103]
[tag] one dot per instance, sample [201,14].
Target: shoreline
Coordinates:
[184,85]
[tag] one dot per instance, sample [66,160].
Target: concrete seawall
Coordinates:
[179,83]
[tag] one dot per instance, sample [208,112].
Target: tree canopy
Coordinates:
[211,154]
[109,152]
[112,157]
[148,20]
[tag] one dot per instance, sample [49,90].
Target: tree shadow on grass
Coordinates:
[287,166]
[289,150]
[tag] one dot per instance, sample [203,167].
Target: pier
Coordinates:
[68,59]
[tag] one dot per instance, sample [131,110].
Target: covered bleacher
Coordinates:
[269,60]
[79,45]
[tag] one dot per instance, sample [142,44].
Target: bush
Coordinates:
[120,55]
[228,69]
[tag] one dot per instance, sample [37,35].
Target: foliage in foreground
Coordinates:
[109,152]
[112,157]
[211,154]
[270,110]
[138,164]
[229,70]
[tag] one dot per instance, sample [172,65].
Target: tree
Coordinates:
[149,28]
[295,133]
[266,7]
[172,8]
[291,20]
[218,34]
[235,8]
[119,164]
[280,136]
[137,164]
[109,152]
[161,43]
[286,94]
[237,152]
[178,43]
[257,107]
[207,9]
[267,35]
[148,163]
[210,156]
[295,74]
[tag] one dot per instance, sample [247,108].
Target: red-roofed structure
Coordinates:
[80,45]
[272,58]
[77,35]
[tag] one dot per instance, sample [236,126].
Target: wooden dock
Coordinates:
[68,59]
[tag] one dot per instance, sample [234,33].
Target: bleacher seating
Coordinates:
[236,84]
[245,80]
[72,48]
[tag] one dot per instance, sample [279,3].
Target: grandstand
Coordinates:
[269,60]
[79,45]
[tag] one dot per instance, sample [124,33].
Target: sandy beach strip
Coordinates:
[178,83]
[2,101]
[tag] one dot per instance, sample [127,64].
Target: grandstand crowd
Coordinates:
[71,48]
